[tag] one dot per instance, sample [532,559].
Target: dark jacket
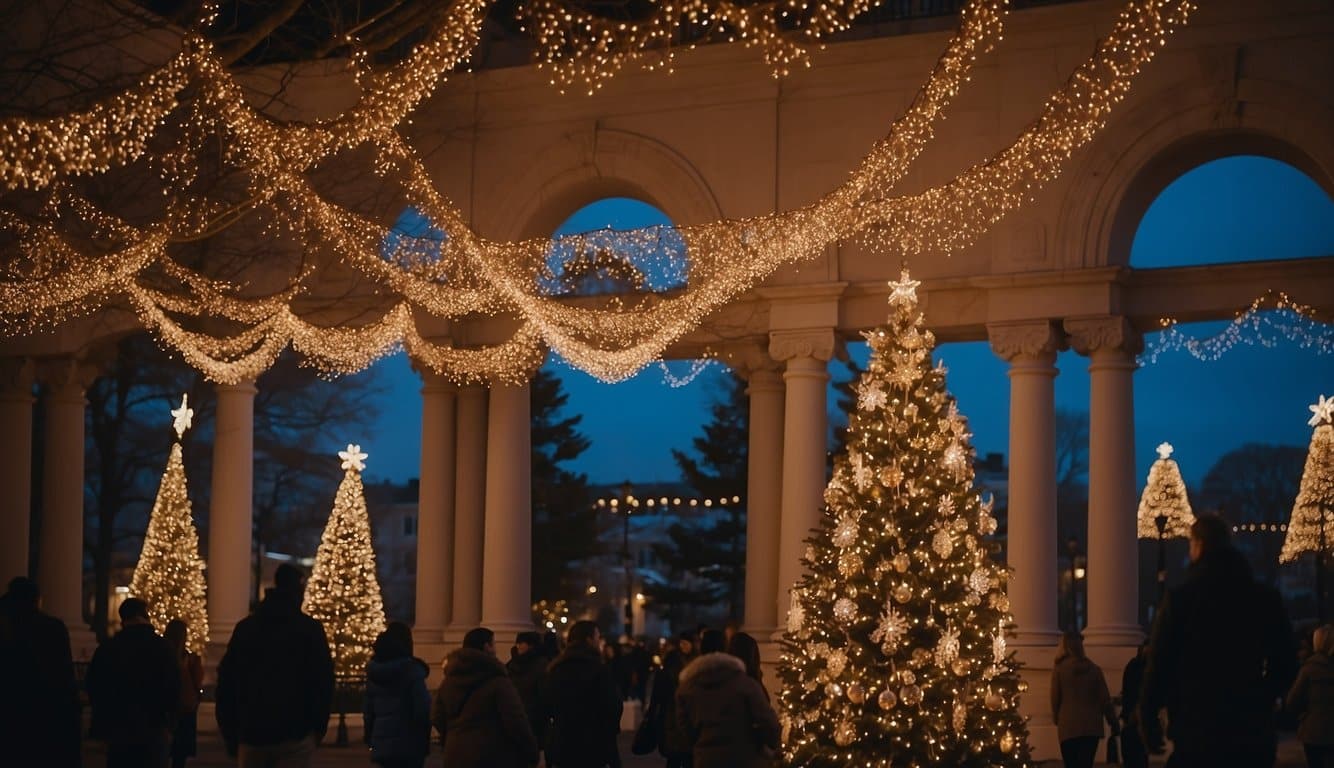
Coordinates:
[724,715]
[134,685]
[662,704]
[1222,653]
[397,710]
[1312,700]
[1080,701]
[39,699]
[529,671]
[585,709]
[479,715]
[275,682]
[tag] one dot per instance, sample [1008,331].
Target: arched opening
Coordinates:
[615,245]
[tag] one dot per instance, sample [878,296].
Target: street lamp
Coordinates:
[625,506]
[1076,574]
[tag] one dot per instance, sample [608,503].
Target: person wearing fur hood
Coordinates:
[723,713]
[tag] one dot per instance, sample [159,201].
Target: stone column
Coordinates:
[1031,350]
[60,553]
[764,495]
[230,515]
[507,562]
[435,510]
[469,510]
[1113,552]
[805,426]
[16,377]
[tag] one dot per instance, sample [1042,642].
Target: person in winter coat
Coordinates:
[662,703]
[1312,701]
[744,647]
[1220,656]
[183,735]
[397,709]
[478,712]
[722,713]
[527,667]
[39,698]
[584,704]
[275,681]
[1134,743]
[134,685]
[1080,702]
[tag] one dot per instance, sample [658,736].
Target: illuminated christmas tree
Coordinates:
[1164,511]
[1312,526]
[894,653]
[343,593]
[170,573]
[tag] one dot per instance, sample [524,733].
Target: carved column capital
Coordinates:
[748,358]
[17,375]
[1107,332]
[1036,340]
[67,376]
[818,344]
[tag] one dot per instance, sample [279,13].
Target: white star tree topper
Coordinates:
[353,458]
[181,417]
[1165,450]
[1322,411]
[904,291]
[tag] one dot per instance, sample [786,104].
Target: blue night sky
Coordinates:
[1235,209]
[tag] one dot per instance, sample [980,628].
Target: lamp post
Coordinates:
[1072,550]
[1160,522]
[625,507]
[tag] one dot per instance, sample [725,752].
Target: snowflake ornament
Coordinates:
[796,615]
[353,458]
[960,716]
[942,543]
[947,650]
[182,416]
[904,291]
[979,581]
[836,661]
[862,475]
[891,630]
[845,533]
[844,610]
[871,396]
[1322,412]
[946,506]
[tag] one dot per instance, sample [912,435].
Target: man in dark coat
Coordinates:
[527,667]
[1221,655]
[584,704]
[134,685]
[275,682]
[662,704]
[722,713]
[39,699]
[478,712]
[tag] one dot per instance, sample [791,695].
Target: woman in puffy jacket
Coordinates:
[722,712]
[1080,703]
[398,706]
[1312,700]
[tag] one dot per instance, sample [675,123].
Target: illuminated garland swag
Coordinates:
[473,275]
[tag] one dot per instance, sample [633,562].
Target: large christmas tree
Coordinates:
[894,653]
[170,573]
[1311,528]
[343,593]
[1164,509]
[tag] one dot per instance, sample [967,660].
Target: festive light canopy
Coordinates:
[1270,320]
[1311,528]
[74,256]
[1164,501]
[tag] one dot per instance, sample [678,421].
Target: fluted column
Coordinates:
[435,510]
[805,424]
[763,497]
[16,377]
[60,550]
[469,510]
[507,562]
[230,512]
[1031,350]
[1113,552]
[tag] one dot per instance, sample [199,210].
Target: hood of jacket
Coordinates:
[580,661]
[1224,568]
[395,673]
[711,671]
[278,606]
[526,663]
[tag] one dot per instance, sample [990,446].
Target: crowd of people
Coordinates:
[1222,662]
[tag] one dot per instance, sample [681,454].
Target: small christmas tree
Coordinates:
[894,653]
[1164,511]
[1312,526]
[343,593]
[170,573]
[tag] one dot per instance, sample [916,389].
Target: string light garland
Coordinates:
[1272,319]
[471,275]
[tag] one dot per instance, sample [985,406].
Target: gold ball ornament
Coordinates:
[856,693]
[902,562]
[887,700]
[911,695]
[960,667]
[903,593]
[994,701]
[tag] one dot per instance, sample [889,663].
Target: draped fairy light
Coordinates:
[467,274]
[1272,319]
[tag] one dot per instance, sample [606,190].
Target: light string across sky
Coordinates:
[57,276]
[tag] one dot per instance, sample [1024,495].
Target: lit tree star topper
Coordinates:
[1321,411]
[182,417]
[1165,450]
[353,458]
[904,291]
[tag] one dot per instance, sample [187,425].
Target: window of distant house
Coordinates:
[409,525]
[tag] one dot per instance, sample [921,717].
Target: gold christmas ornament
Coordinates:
[887,700]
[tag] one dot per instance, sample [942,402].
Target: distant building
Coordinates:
[393,512]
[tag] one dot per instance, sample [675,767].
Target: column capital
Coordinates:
[67,375]
[435,383]
[1038,340]
[17,375]
[1089,335]
[817,343]
[749,358]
